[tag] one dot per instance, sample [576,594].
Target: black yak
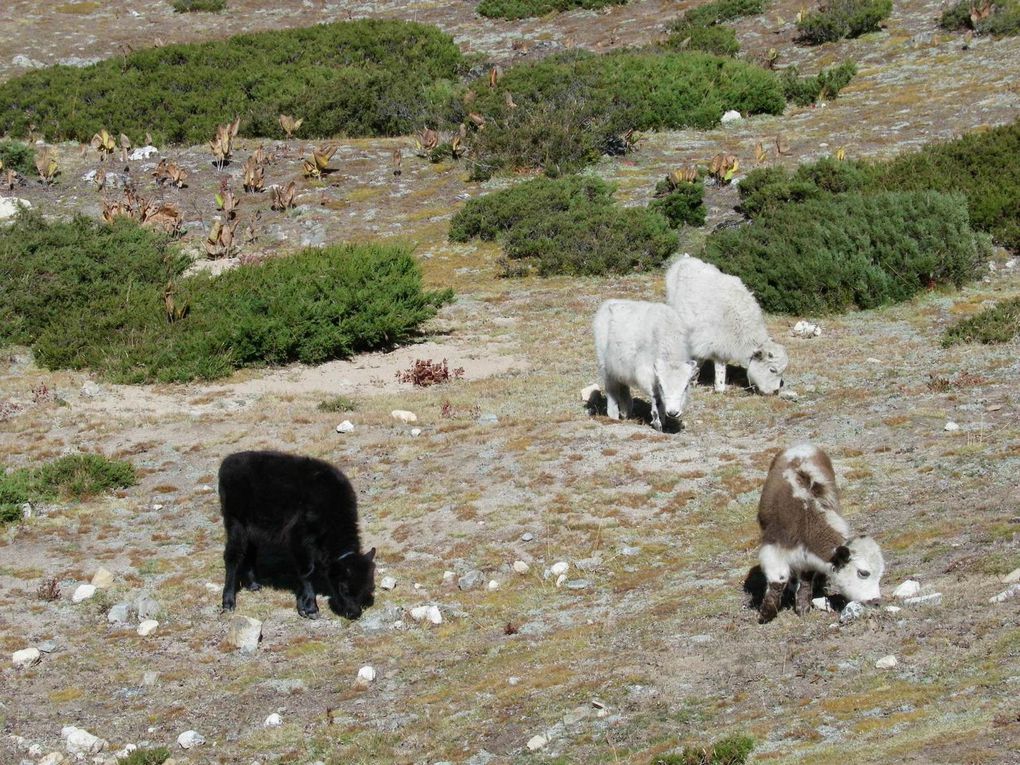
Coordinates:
[308,507]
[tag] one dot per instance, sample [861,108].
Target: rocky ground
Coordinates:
[647,643]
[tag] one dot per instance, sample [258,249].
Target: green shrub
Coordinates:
[360,78]
[85,295]
[723,10]
[18,156]
[681,204]
[981,165]
[732,750]
[998,324]
[570,107]
[566,226]
[1004,20]
[804,91]
[838,19]
[717,40]
[522,9]
[156,756]
[840,251]
[337,404]
[76,476]
[188,6]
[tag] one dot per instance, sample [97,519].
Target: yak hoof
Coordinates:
[253,587]
[227,607]
[309,614]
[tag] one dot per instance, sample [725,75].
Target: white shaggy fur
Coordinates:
[724,323]
[642,345]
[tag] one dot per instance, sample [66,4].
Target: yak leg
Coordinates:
[233,552]
[720,376]
[248,569]
[305,566]
[804,592]
[776,567]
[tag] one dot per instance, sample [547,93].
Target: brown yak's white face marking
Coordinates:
[860,576]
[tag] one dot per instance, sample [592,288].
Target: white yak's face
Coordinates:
[857,570]
[674,383]
[765,372]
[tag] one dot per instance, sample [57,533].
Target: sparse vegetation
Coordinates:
[145,756]
[566,226]
[425,372]
[998,324]
[522,9]
[18,156]
[102,303]
[356,78]
[732,750]
[76,476]
[827,84]
[698,28]
[189,6]
[680,202]
[837,252]
[838,19]
[337,404]
[999,19]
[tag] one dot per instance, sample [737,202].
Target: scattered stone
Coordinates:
[908,589]
[24,658]
[83,592]
[488,419]
[630,552]
[932,599]
[449,576]
[521,567]
[851,611]
[493,585]
[404,416]
[273,721]
[388,583]
[805,329]
[892,609]
[149,678]
[147,627]
[48,646]
[952,426]
[366,675]
[213,588]
[415,432]
[822,604]
[873,360]
[578,584]
[731,116]
[189,739]
[788,394]
[577,714]
[471,580]
[119,614]
[25,62]
[886,662]
[287,686]
[245,633]
[9,206]
[143,152]
[80,741]
[560,580]
[559,567]
[537,742]
[589,392]
[1009,593]
[91,389]
[427,613]
[482,757]
[102,578]
[1012,576]
[513,680]
[146,607]
[527,536]
[601,710]
[53,758]
[345,427]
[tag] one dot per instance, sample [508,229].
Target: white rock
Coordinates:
[90,389]
[213,588]
[147,627]
[102,578]
[873,360]
[26,657]
[806,329]
[404,416]
[493,585]
[119,614]
[80,741]
[851,611]
[449,576]
[9,206]
[521,567]
[345,427]
[1012,576]
[245,633]
[537,742]
[366,675]
[26,510]
[1008,594]
[143,152]
[415,432]
[388,583]
[952,426]
[560,580]
[53,758]
[513,680]
[788,394]
[146,607]
[892,609]
[273,721]
[190,738]
[558,568]
[83,592]
[932,599]
[25,62]
[588,392]
[908,589]
[822,604]
[731,116]
[886,662]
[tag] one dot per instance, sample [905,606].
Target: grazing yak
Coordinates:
[642,345]
[307,506]
[803,534]
[724,324]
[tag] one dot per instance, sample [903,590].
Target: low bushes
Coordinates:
[827,84]
[86,295]
[76,476]
[998,324]
[522,9]
[698,28]
[566,226]
[680,203]
[15,155]
[360,78]
[840,251]
[189,6]
[838,19]
[1000,19]
[731,750]
[568,109]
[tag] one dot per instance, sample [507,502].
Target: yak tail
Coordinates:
[819,487]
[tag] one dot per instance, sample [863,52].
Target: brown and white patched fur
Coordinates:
[803,534]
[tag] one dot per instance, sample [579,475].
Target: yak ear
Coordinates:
[841,557]
[758,355]
[370,555]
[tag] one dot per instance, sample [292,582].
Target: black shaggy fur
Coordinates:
[306,506]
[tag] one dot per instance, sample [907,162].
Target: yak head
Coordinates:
[857,569]
[352,582]
[673,382]
[765,370]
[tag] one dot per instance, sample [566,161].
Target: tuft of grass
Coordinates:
[841,251]
[337,404]
[698,28]
[566,226]
[681,204]
[16,155]
[839,19]
[522,9]
[156,756]
[358,78]
[732,750]
[827,84]
[1002,21]
[190,6]
[86,295]
[998,324]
